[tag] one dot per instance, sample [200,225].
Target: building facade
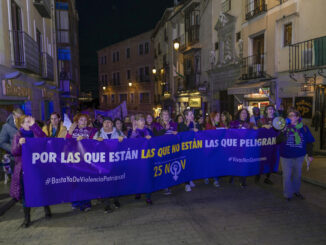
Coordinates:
[284,50]
[125,74]
[28,71]
[68,54]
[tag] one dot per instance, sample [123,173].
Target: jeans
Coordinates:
[291,175]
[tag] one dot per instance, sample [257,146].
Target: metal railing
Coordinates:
[255,8]
[47,66]
[253,67]
[43,7]
[25,50]
[307,55]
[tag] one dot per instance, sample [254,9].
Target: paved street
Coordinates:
[207,215]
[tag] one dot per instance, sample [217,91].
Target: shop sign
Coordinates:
[195,102]
[304,106]
[15,88]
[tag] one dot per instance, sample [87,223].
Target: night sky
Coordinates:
[104,22]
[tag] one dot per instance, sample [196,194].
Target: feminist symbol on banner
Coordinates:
[175,169]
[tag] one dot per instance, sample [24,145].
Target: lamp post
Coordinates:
[176,45]
[154,71]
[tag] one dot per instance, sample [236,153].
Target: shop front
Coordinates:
[253,94]
[195,101]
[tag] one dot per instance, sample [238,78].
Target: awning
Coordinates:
[248,87]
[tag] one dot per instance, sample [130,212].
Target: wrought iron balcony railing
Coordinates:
[26,53]
[43,7]
[307,55]
[255,8]
[253,67]
[47,66]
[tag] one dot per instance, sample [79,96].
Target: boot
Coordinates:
[47,212]
[27,220]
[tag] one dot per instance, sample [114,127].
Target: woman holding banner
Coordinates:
[164,127]
[54,128]
[108,132]
[188,125]
[295,142]
[266,122]
[142,132]
[27,128]
[80,130]
[213,124]
[242,122]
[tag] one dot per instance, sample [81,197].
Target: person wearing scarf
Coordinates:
[79,130]
[27,128]
[266,122]
[295,142]
[108,132]
[140,131]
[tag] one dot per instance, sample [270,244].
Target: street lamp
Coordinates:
[154,70]
[162,70]
[104,87]
[130,84]
[176,45]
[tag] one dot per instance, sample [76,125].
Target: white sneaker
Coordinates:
[167,191]
[206,181]
[192,184]
[216,184]
[188,188]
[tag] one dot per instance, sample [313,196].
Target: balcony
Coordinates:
[47,66]
[253,67]
[25,54]
[43,7]
[255,8]
[307,55]
[193,34]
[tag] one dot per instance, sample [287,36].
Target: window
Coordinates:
[118,55]
[146,48]
[114,79]
[147,74]
[144,98]
[105,99]
[104,59]
[216,46]
[62,22]
[123,97]
[132,98]
[113,57]
[106,80]
[226,5]
[238,36]
[118,78]
[103,79]
[141,49]
[112,99]
[128,75]
[128,53]
[287,39]
[141,75]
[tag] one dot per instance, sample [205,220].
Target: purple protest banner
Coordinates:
[59,170]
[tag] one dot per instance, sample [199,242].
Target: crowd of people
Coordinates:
[295,142]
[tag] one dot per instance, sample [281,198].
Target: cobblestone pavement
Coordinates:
[207,215]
